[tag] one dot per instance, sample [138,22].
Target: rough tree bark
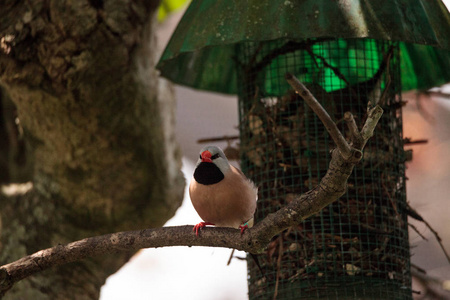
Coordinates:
[98,127]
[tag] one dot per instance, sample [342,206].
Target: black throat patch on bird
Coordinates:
[208,173]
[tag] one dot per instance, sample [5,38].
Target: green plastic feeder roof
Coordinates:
[202,50]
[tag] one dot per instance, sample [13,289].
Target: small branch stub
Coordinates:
[355,135]
[373,117]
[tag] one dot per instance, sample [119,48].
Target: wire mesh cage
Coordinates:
[357,247]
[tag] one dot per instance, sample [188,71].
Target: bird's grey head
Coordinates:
[216,156]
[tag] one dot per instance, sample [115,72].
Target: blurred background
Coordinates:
[202,273]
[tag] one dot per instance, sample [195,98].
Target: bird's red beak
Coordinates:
[206,156]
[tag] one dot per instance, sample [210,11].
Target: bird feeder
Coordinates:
[347,53]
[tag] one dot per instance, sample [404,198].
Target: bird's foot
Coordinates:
[199,226]
[243,227]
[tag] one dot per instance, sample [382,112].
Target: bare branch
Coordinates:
[408,141]
[417,231]
[332,186]
[414,214]
[354,132]
[118,242]
[331,127]
[218,139]
[373,116]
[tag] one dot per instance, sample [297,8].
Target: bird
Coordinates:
[220,193]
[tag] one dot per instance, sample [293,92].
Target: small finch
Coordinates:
[220,193]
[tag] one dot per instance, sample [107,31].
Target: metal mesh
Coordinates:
[356,248]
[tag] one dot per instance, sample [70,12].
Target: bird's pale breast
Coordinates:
[228,203]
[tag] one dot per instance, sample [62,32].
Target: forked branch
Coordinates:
[332,186]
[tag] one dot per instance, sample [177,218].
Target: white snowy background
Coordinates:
[201,273]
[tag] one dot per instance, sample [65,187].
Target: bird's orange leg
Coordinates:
[243,227]
[199,226]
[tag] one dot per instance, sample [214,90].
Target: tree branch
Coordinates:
[332,186]
[331,127]
[351,124]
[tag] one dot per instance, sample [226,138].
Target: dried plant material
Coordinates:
[255,125]
[352,270]
[348,238]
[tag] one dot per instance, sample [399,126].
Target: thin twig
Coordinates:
[393,204]
[413,213]
[408,141]
[280,254]
[218,139]
[417,231]
[335,70]
[289,47]
[312,102]
[231,257]
[385,64]
[355,136]
[434,287]
[373,116]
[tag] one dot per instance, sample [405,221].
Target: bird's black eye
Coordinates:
[215,156]
[200,156]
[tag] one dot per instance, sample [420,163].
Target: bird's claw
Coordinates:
[243,227]
[199,226]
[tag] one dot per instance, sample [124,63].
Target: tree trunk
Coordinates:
[99,132]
